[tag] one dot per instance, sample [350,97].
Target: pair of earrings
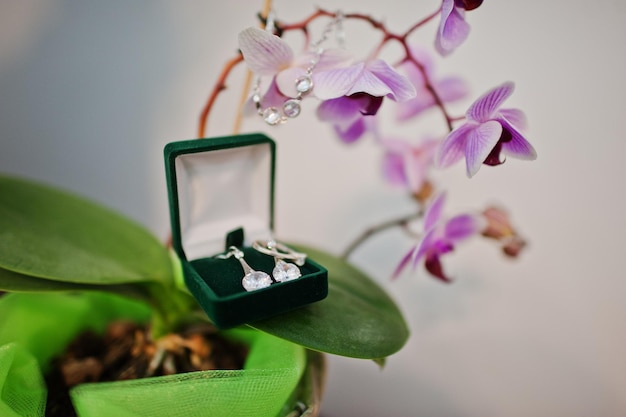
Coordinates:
[283,271]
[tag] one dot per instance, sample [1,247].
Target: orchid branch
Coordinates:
[429,86]
[371,231]
[351,89]
[387,37]
[220,85]
[303,26]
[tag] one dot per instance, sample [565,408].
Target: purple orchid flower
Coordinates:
[453,29]
[408,165]
[265,53]
[269,55]
[376,78]
[488,132]
[271,98]
[353,92]
[449,89]
[332,58]
[440,238]
[349,90]
[347,114]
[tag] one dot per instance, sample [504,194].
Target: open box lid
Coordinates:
[218,185]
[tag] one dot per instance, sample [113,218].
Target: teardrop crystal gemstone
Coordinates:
[284,271]
[256,280]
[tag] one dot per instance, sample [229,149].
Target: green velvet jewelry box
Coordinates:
[221,194]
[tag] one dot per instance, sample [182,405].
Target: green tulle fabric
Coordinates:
[36,327]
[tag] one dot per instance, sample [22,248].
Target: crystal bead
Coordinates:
[291,108]
[284,271]
[272,116]
[256,280]
[304,84]
[256,99]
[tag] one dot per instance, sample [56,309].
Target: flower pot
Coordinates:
[278,376]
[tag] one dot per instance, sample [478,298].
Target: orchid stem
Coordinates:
[267,7]
[371,231]
[245,91]
[303,26]
[219,86]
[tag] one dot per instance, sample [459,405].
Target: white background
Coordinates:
[90,93]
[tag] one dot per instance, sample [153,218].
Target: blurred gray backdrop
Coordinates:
[90,92]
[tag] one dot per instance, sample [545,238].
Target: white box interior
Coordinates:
[222,190]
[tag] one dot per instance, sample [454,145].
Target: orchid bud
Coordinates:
[424,193]
[499,228]
[513,246]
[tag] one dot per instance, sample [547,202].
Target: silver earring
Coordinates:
[252,280]
[283,271]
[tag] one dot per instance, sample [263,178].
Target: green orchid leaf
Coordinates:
[13,282]
[50,234]
[357,319]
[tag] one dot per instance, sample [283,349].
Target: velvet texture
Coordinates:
[213,167]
